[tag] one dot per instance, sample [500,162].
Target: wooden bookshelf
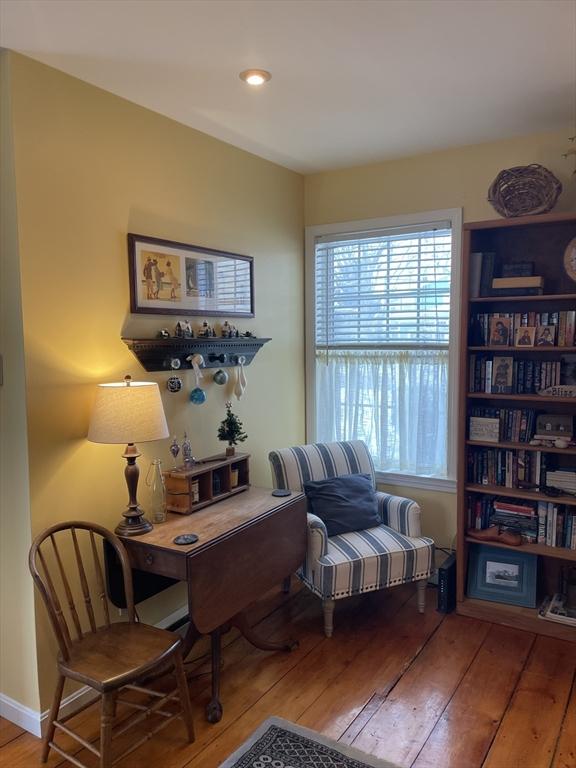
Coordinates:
[542,241]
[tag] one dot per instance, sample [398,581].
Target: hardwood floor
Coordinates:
[427,691]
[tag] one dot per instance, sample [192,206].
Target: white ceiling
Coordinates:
[353,81]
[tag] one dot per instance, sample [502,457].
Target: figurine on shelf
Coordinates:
[206,331]
[187,330]
[174,450]
[179,330]
[187,451]
[248,335]
[163,334]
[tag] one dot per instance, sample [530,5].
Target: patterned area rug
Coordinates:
[278,743]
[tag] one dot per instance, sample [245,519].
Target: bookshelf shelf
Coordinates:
[507,247]
[535,549]
[514,616]
[519,493]
[525,350]
[525,299]
[525,398]
[521,447]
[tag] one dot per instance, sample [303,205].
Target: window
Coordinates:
[383,322]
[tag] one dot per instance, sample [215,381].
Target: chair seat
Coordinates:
[117,655]
[371,559]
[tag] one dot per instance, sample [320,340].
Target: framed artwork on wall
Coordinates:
[170,278]
[502,575]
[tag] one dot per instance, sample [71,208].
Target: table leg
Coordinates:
[214,706]
[241,622]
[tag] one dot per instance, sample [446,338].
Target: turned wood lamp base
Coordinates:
[134,522]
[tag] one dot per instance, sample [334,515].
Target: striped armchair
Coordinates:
[363,561]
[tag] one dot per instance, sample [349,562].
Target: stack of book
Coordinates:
[521,518]
[525,285]
[565,479]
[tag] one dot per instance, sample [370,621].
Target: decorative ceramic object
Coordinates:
[174,450]
[174,384]
[570,259]
[197,396]
[220,377]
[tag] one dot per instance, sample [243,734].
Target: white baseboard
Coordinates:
[34,722]
[17,713]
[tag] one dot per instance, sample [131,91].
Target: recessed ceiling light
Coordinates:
[255,76]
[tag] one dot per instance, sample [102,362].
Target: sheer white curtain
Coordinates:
[394,400]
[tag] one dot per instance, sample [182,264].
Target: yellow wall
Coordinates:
[455,178]
[91,167]
[18,675]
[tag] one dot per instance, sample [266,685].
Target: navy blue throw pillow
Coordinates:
[346,503]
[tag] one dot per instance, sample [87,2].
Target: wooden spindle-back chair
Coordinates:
[109,657]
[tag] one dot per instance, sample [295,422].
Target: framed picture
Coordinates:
[500,331]
[502,575]
[502,375]
[524,336]
[484,429]
[545,335]
[171,278]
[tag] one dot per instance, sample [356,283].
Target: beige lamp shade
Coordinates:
[127,412]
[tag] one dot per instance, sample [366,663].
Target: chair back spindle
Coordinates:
[48,565]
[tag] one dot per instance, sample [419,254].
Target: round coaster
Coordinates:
[281,492]
[186,538]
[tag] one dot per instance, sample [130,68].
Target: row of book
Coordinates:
[510,469]
[516,425]
[538,522]
[506,375]
[510,328]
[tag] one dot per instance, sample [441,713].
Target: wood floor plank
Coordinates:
[479,702]
[9,731]
[401,726]
[387,647]
[297,690]
[529,730]
[565,756]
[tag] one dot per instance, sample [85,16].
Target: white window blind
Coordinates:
[382,327]
[384,288]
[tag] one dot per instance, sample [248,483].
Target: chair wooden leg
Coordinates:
[421,596]
[106,721]
[328,608]
[51,717]
[184,694]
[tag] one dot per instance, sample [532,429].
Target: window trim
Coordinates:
[454,215]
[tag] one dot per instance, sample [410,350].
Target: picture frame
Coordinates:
[502,575]
[545,336]
[502,375]
[172,278]
[525,336]
[500,331]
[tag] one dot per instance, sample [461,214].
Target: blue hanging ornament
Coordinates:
[197,396]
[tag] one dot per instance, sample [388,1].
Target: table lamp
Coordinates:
[129,412]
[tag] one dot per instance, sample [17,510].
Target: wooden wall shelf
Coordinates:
[170,354]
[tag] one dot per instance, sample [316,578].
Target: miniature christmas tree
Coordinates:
[231,430]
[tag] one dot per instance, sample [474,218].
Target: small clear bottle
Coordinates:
[155,481]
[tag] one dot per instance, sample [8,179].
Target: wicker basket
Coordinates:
[526,189]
